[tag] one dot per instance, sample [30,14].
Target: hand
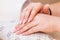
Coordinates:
[31,10]
[42,22]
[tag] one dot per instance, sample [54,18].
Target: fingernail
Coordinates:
[20,22]
[24,34]
[24,21]
[15,31]
[18,32]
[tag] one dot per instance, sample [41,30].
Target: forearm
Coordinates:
[55,8]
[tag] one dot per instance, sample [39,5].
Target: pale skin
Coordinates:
[32,21]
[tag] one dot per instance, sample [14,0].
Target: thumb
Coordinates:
[46,9]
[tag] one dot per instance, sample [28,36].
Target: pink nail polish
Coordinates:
[15,31]
[24,21]
[18,33]
[20,22]
[24,34]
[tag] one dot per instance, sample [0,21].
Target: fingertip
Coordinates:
[46,6]
[25,33]
[17,32]
[46,9]
[27,15]
[25,20]
[14,31]
[17,28]
[21,20]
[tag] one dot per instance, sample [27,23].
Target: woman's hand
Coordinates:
[42,22]
[31,10]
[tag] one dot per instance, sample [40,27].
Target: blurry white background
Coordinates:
[9,9]
[9,13]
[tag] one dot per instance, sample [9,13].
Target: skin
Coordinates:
[32,21]
[41,22]
[28,13]
[55,8]
[31,10]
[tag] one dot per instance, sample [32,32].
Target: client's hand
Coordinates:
[42,22]
[31,10]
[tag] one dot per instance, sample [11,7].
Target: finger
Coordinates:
[28,12]
[18,27]
[35,10]
[46,9]
[32,30]
[27,27]
[23,14]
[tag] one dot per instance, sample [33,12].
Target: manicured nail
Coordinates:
[24,34]
[15,31]
[24,21]
[18,32]
[20,22]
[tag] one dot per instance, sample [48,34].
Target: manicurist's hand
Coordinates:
[42,22]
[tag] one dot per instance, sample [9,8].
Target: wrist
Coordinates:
[57,24]
[55,21]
